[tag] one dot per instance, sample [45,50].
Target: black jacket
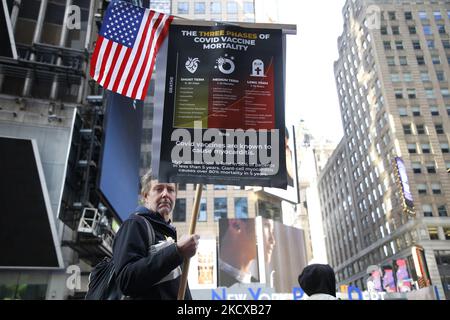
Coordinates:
[138,269]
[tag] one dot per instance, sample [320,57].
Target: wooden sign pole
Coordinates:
[195,210]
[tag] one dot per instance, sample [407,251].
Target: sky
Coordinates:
[311,92]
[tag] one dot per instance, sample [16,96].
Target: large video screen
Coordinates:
[261,251]
[28,237]
[119,168]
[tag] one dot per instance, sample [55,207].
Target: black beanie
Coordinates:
[318,278]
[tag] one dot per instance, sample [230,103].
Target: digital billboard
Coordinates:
[238,254]
[28,235]
[284,254]
[203,266]
[260,251]
[403,183]
[120,160]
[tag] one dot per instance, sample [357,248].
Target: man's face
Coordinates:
[269,239]
[161,198]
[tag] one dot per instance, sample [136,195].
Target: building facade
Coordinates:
[392,79]
[43,96]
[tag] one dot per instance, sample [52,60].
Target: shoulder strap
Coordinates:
[151,232]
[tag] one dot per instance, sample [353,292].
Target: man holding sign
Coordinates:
[152,273]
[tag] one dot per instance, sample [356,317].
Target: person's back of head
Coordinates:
[318,278]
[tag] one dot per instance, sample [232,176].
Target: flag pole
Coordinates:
[195,209]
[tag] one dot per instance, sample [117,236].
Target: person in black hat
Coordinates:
[318,282]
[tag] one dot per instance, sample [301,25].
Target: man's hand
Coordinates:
[187,246]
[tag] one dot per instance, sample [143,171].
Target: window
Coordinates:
[430,93]
[248,7]
[445,93]
[199,8]
[426,148]
[424,76]
[220,187]
[395,30]
[216,8]
[391,15]
[441,28]
[420,60]
[183,7]
[387,45]
[437,15]
[220,208]
[232,7]
[395,77]
[412,30]
[402,112]
[417,167]
[383,30]
[411,93]
[416,111]
[439,128]
[423,15]
[408,15]
[447,237]
[398,93]
[427,210]
[445,148]
[422,188]
[433,232]
[399,45]
[403,61]
[436,188]
[431,168]
[434,111]
[440,75]
[390,61]
[179,212]
[427,30]
[407,129]
[430,44]
[442,210]
[420,129]
[436,59]
[241,208]
[202,213]
[448,110]
[416,45]
[446,44]
[412,148]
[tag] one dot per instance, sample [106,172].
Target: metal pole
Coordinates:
[62,43]
[87,43]
[15,13]
[36,38]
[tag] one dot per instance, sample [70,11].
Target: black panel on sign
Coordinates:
[25,234]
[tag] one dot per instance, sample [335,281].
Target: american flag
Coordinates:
[126,48]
